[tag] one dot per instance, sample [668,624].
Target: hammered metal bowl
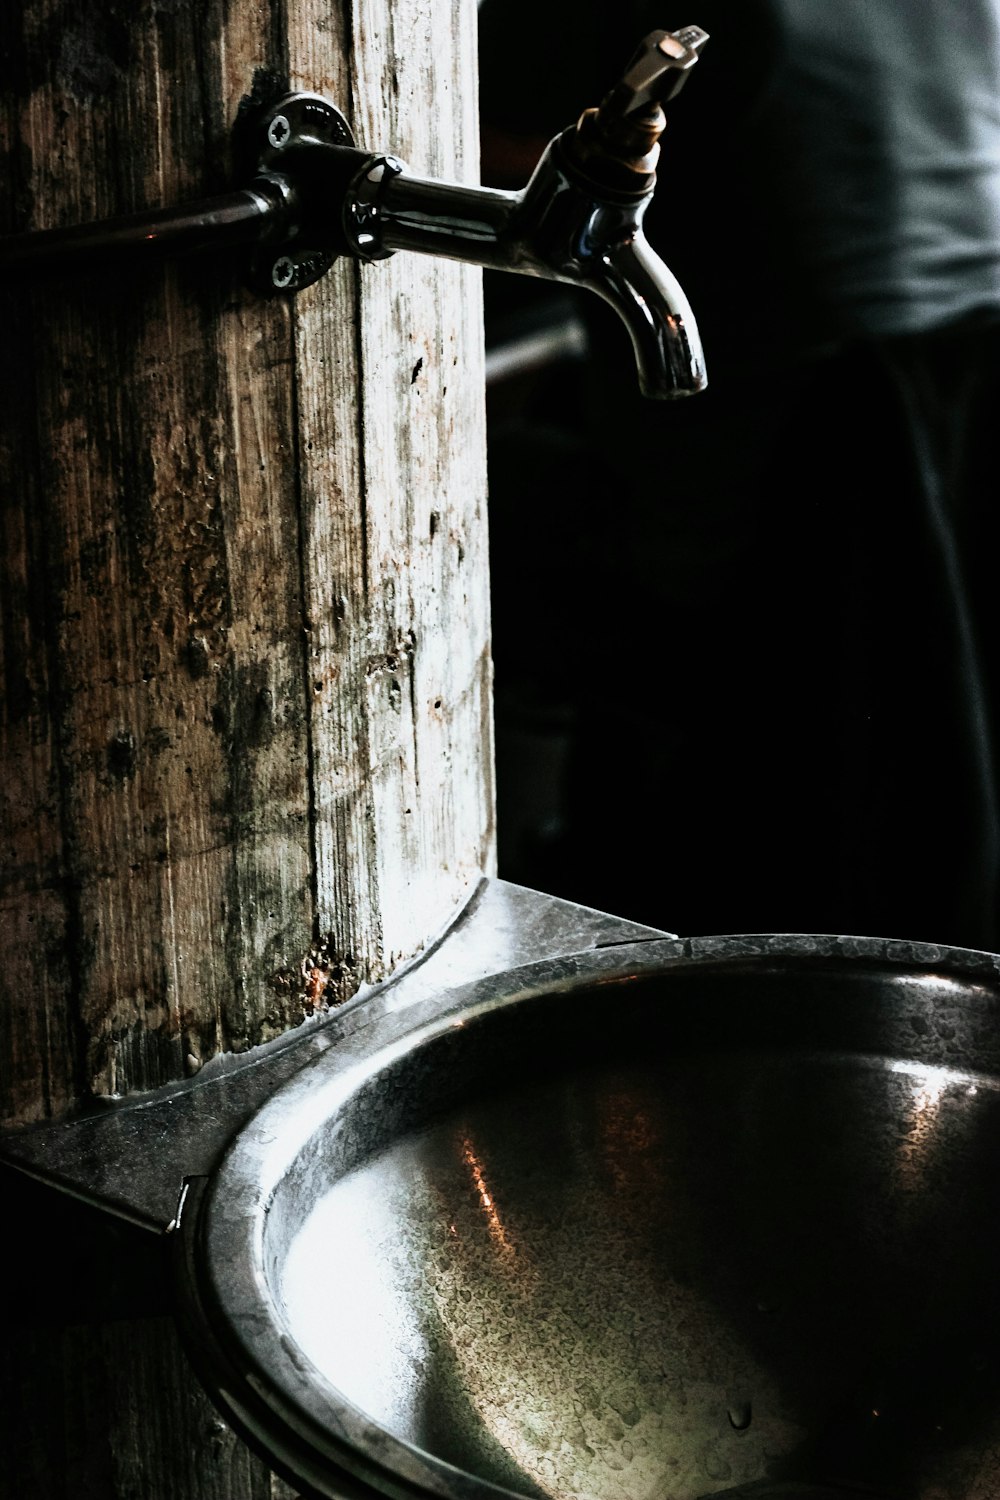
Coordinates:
[657,1223]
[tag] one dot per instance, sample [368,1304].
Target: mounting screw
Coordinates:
[279,132]
[283,272]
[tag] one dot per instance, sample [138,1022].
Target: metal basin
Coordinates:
[659,1222]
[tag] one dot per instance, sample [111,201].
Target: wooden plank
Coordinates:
[250,736]
[396,566]
[245,728]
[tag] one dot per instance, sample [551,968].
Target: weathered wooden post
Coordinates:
[246,726]
[246,722]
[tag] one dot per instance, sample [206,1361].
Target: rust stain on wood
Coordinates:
[325,978]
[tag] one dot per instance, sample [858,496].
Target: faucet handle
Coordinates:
[617,144]
[657,71]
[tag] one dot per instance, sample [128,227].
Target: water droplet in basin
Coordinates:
[740,1415]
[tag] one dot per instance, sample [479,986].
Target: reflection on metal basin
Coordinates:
[662,1220]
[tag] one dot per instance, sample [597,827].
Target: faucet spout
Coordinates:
[557,228]
[570,232]
[651,303]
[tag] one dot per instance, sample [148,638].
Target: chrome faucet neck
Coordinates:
[578,220]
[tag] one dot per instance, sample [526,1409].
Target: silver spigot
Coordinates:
[579,220]
[311,194]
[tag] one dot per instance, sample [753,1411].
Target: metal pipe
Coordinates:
[445,219]
[248,216]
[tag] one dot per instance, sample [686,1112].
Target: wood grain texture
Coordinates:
[245,732]
[397,530]
[244,629]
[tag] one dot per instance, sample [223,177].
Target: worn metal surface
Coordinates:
[674,1220]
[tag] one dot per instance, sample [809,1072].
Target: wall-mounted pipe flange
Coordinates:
[290,135]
